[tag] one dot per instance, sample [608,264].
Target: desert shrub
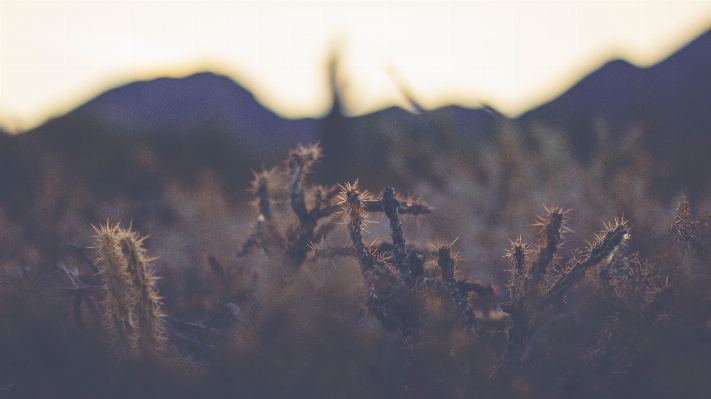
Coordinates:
[304,299]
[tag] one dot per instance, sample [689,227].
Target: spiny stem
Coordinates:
[261,189]
[377,276]
[118,286]
[150,334]
[132,305]
[307,224]
[457,292]
[551,231]
[517,255]
[403,208]
[298,202]
[390,206]
[446,264]
[598,252]
[520,319]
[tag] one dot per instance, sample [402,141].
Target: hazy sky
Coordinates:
[55,55]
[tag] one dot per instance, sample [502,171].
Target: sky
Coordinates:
[511,55]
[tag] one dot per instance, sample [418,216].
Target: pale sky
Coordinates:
[512,55]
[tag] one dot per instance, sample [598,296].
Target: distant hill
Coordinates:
[130,147]
[209,121]
[197,102]
[207,110]
[669,102]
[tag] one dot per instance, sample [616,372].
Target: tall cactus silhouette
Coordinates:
[131,304]
[120,319]
[150,333]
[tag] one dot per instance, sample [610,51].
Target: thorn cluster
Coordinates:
[410,275]
[526,300]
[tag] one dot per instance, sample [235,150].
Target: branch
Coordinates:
[390,207]
[600,250]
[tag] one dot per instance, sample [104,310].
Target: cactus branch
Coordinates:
[261,233]
[151,334]
[298,199]
[615,235]
[378,277]
[446,263]
[520,317]
[551,230]
[457,291]
[390,206]
[517,255]
[120,318]
[403,208]
[308,219]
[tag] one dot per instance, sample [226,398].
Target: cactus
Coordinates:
[118,287]
[131,303]
[146,302]
[398,286]
[311,205]
[397,312]
[526,299]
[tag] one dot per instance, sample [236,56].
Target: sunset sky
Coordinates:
[55,55]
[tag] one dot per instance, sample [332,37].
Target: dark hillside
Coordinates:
[668,103]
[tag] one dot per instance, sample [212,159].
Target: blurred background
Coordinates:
[513,56]
[158,112]
[152,111]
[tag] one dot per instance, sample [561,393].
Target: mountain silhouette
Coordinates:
[185,105]
[625,96]
[213,106]
[131,146]
[669,103]
[207,120]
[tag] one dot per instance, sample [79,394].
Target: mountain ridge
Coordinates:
[669,102]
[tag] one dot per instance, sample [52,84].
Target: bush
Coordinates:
[307,308]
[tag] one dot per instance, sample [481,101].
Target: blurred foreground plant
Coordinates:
[131,302]
[528,294]
[395,318]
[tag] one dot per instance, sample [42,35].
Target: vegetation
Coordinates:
[303,298]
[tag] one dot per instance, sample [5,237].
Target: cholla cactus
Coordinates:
[146,303]
[379,278]
[392,290]
[131,304]
[312,205]
[120,318]
[615,235]
[398,286]
[527,296]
